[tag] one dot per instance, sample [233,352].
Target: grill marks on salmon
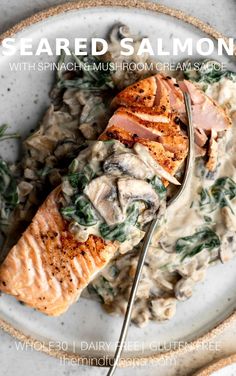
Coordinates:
[48,268]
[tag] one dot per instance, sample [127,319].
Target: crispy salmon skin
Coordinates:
[48,268]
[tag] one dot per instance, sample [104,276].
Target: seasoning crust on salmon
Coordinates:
[144,115]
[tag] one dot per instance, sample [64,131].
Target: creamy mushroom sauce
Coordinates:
[112,192]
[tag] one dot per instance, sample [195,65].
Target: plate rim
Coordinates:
[94,360]
[86,4]
[216,365]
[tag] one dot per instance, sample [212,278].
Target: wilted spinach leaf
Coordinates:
[190,246]
[208,71]
[81,211]
[92,74]
[8,193]
[120,231]
[218,195]
[159,187]
[79,180]
[102,287]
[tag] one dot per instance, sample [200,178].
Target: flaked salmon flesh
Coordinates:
[147,107]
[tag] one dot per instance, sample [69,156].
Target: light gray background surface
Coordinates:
[219,13]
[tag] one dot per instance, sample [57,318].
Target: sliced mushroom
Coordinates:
[30,174]
[93,155]
[212,152]
[65,149]
[163,308]
[72,102]
[165,284]
[227,250]
[118,32]
[88,130]
[167,246]
[187,269]
[135,237]
[24,188]
[129,164]
[130,190]
[144,154]
[103,195]
[229,219]
[184,289]
[124,31]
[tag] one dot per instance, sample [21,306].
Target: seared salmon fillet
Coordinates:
[48,268]
[164,93]
[207,114]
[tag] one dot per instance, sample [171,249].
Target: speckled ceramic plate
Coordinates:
[85,331]
[223,367]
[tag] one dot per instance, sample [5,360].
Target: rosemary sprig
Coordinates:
[5,136]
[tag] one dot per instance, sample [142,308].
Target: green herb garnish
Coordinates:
[5,136]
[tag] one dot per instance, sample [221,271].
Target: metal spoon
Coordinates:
[148,238]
